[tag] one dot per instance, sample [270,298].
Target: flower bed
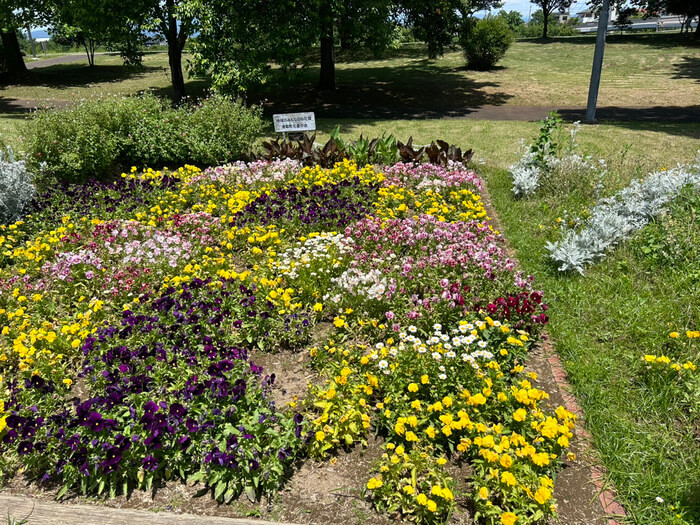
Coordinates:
[128,316]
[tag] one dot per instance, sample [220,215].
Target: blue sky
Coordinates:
[524,6]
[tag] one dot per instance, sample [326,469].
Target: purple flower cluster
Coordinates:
[331,206]
[162,390]
[97,197]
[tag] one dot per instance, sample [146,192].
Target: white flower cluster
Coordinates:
[16,187]
[371,284]
[322,252]
[528,172]
[616,218]
[459,339]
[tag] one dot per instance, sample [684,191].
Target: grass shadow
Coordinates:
[419,89]
[66,76]
[688,68]
[673,120]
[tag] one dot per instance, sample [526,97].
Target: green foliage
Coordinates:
[238,40]
[535,27]
[382,150]
[87,24]
[485,42]
[94,138]
[402,474]
[546,142]
[672,239]
[513,18]
[220,130]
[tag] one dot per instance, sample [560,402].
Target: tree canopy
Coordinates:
[548,8]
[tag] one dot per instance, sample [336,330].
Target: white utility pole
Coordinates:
[597,61]
[31,41]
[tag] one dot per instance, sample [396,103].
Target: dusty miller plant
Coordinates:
[16,186]
[548,163]
[616,218]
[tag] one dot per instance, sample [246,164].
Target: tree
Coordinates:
[438,22]
[513,18]
[686,8]
[624,18]
[239,39]
[548,8]
[13,15]
[88,24]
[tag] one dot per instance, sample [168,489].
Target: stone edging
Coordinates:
[606,492]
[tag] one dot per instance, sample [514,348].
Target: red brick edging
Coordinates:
[606,492]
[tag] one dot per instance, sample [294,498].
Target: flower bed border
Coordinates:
[607,494]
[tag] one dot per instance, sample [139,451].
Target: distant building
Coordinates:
[562,16]
[591,15]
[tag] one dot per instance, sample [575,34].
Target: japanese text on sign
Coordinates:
[291,122]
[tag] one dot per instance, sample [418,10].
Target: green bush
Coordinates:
[97,138]
[219,131]
[485,42]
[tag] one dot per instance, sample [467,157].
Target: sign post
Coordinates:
[294,123]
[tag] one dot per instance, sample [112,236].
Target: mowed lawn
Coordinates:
[639,70]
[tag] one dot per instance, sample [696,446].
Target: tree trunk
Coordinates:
[344,35]
[89,45]
[327,80]
[697,30]
[176,43]
[178,79]
[546,24]
[14,62]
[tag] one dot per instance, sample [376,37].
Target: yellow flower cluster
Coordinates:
[663,360]
[346,170]
[457,205]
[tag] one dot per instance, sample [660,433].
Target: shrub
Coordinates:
[16,187]
[220,130]
[485,42]
[94,138]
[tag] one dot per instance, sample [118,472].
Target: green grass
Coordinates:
[637,148]
[602,324]
[639,70]
[647,69]
[73,81]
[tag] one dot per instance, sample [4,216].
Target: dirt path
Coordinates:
[48,513]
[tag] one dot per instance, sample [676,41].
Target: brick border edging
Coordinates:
[606,492]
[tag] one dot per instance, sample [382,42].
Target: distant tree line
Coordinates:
[235,43]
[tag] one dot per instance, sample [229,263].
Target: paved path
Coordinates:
[690,114]
[45,513]
[648,114]
[63,59]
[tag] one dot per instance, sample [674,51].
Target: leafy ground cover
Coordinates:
[130,311]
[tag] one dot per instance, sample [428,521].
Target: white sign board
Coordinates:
[291,122]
